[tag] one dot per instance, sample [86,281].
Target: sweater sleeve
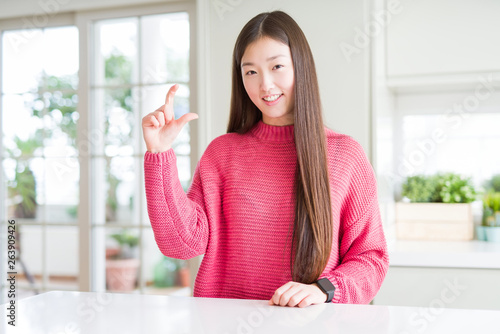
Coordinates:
[180,225]
[362,250]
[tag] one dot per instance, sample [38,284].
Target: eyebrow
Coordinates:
[268,59]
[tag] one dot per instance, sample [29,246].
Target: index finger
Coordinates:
[170,94]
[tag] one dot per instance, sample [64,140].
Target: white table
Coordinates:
[83,312]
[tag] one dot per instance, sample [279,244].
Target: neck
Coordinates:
[282,121]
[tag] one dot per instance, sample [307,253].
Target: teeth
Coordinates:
[272,98]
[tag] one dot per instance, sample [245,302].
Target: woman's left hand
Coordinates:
[298,294]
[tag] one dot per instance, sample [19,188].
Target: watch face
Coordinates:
[326,284]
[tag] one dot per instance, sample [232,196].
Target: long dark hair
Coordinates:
[312,230]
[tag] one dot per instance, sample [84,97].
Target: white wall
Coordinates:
[445,36]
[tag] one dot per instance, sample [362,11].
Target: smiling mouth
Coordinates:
[271,98]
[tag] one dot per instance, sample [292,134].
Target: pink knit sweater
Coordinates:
[239,212]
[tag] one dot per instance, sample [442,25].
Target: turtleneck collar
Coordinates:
[273,132]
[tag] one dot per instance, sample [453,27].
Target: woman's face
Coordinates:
[268,77]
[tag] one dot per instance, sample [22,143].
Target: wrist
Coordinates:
[158,150]
[321,292]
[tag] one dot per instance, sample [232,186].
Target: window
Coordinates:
[466,149]
[427,133]
[444,132]
[39,157]
[72,99]
[135,61]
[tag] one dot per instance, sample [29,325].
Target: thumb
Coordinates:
[184,119]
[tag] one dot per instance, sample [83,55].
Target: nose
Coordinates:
[266,83]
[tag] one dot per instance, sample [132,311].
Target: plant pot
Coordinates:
[183,275]
[112,253]
[121,275]
[434,221]
[492,233]
[481,232]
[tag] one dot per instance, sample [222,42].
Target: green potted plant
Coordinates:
[493,184]
[22,190]
[481,229]
[453,188]
[420,189]
[436,207]
[491,216]
[170,272]
[122,263]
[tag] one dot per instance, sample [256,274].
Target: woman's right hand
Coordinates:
[160,128]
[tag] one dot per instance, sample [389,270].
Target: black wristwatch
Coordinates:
[327,287]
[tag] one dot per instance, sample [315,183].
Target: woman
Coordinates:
[283,208]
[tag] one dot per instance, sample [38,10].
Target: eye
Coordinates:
[277,67]
[250,72]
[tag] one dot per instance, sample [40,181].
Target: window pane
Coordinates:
[22,124]
[137,60]
[39,71]
[116,52]
[62,256]
[122,189]
[25,188]
[30,256]
[167,57]
[62,196]
[118,121]
[61,55]
[118,201]
[22,65]
[122,259]
[466,147]
[60,120]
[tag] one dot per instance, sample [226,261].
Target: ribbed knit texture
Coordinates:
[239,212]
